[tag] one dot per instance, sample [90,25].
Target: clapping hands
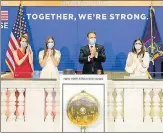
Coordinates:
[27,51]
[134,58]
[131,58]
[93,52]
[49,52]
[140,59]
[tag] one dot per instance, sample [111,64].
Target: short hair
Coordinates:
[90,33]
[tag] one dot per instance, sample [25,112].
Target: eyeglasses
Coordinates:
[138,44]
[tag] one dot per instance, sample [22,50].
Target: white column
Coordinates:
[21,104]
[156,105]
[3,104]
[12,104]
[54,94]
[110,105]
[119,103]
[147,105]
[49,104]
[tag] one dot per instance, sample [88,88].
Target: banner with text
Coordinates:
[116,28]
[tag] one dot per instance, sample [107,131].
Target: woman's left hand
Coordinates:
[51,54]
[140,60]
[30,55]
[32,73]
[134,57]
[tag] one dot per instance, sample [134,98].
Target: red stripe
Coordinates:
[4,13]
[4,19]
[12,43]
[9,63]
[10,53]
[4,16]
[147,41]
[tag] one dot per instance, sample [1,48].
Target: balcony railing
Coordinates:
[30,105]
[132,105]
[13,104]
[135,105]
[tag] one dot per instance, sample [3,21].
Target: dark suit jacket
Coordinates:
[92,66]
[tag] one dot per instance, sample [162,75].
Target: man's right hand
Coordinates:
[92,55]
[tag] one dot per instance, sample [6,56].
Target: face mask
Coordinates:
[50,45]
[23,44]
[92,41]
[138,46]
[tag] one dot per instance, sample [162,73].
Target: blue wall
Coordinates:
[116,35]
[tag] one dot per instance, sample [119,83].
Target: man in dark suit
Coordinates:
[92,55]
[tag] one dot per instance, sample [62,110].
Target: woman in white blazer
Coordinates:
[138,61]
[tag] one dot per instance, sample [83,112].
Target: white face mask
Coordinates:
[138,46]
[92,41]
[23,44]
[50,45]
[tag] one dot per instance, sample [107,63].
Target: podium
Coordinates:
[95,85]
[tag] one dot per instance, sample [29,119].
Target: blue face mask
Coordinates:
[92,41]
[50,45]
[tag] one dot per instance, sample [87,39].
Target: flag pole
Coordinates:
[20,19]
[152,45]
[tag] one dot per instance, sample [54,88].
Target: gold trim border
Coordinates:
[82,3]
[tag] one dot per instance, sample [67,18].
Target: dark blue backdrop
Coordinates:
[116,35]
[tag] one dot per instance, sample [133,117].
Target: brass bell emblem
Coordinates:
[83,110]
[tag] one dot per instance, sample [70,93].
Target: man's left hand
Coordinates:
[94,51]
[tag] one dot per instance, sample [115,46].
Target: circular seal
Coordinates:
[83,109]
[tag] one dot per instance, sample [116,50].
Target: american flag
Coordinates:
[4,15]
[19,28]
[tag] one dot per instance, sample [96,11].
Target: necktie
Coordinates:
[91,58]
[92,62]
